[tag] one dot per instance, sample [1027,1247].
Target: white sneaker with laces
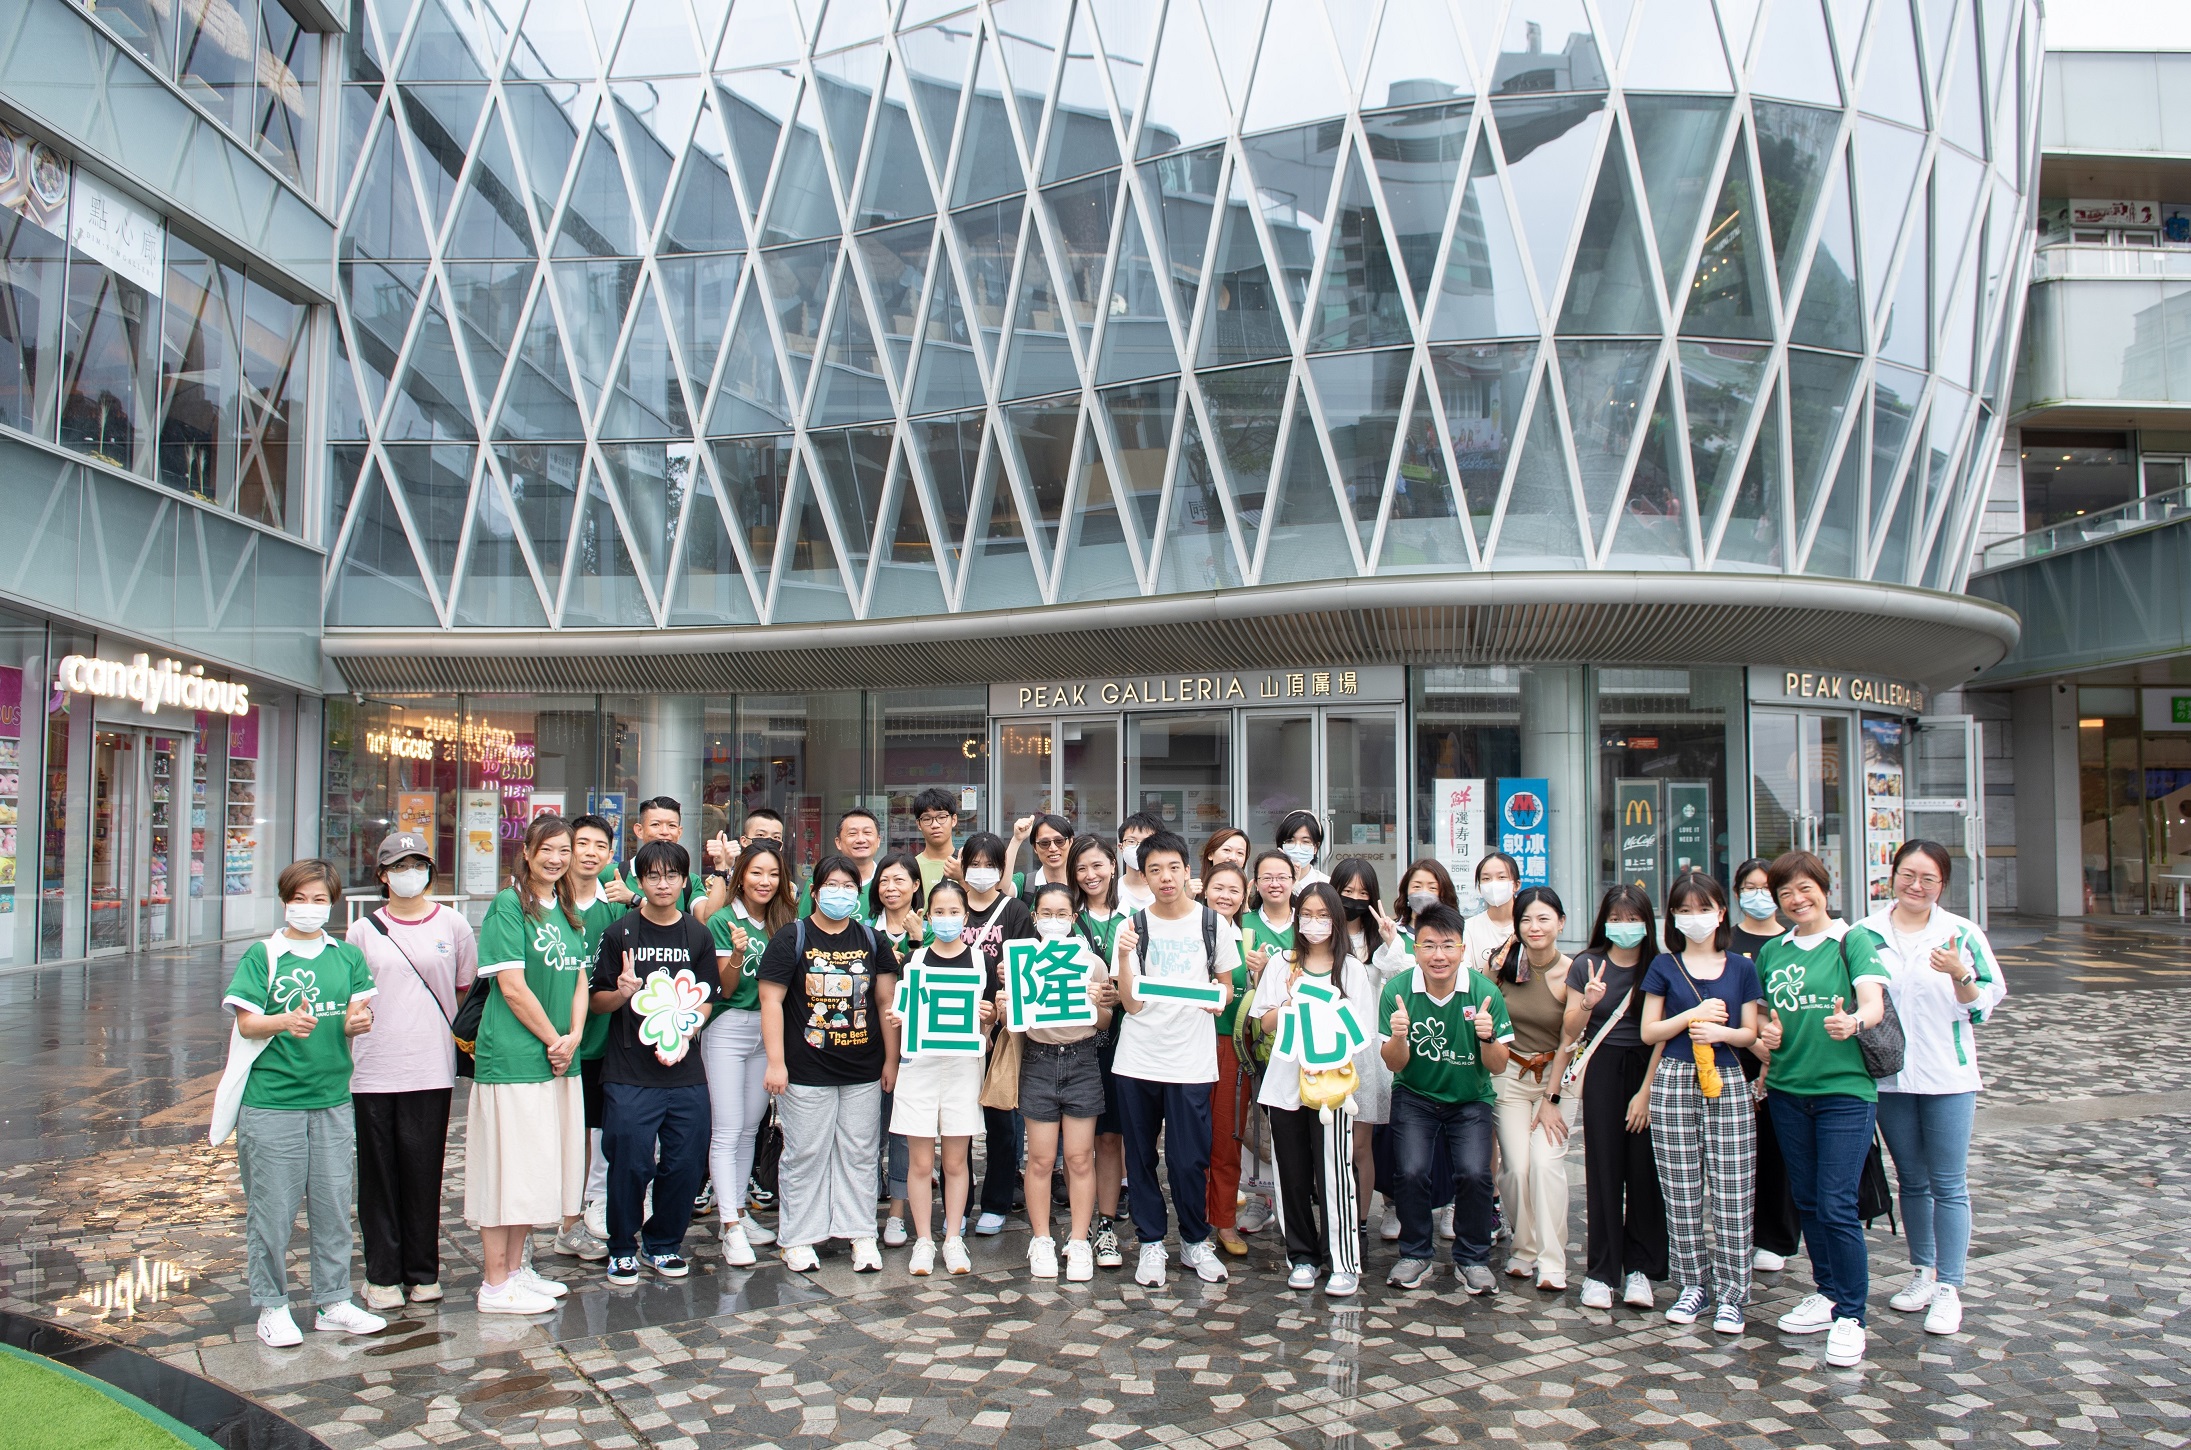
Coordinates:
[923,1262]
[801,1259]
[955,1257]
[1946,1314]
[597,1219]
[1443,1220]
[1202,1258]
[1042,1258]
[989,1224]
[1552,1281]
[737,1248]
[1303,1276]
[277,1330]
[1389,1228]
[540,1283]
[894,1235]
[1342,1286]
[1149,1268]
[1918,1292]
[758,1234]
[1636,1292]
[512,1296]
[1813,1316]
[866,1257]
[1079,1262]
[1765,1261]
[426,1293]
[1596,1295]
[347,1318]
[383,1296]
[1845,1344]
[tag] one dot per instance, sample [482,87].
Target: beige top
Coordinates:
[1536,1014]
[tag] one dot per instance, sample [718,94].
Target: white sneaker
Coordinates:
[758,1234]
[802,1259]
[540,1283]
[1079,1262]
[426,1293]
[597,1219]
[989,1225]
[1845,1344]
[1946,1314]
[894,1235]
[1149,1269]
[576,1243]
[1389,1229]
[866,1257]
[1443,1221]
[1596,1295]
[955,1259]
[347,1318]
[1552,1281]
[1636,1292]
[1518,1267]
[1341,1286]
[1813,1316]
[1202,1258]
[383,1296]
[512,1296]
[737,1248]
[1042,1258]
[1765,1261]
[923,1261]
[277,1330]
[1918,1292]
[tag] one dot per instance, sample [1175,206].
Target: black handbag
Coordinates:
[1884,1046]
[1874,1198]
[768,1152]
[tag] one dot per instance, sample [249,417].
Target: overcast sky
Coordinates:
[2118,25]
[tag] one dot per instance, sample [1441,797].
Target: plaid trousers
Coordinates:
[1707,1160]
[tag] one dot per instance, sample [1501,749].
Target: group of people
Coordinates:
[1727,1063]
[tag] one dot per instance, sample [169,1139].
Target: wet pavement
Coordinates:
[117,1220]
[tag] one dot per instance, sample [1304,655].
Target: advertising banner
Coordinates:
[1636,818]
[1525,826]
[1457,814]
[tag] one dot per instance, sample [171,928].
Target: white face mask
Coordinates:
[1129,856]
[983,878]
[1051,928]
[1316,930]
[1300,853]
[1495,893]
[411,881]
[1697,926]
[309,917]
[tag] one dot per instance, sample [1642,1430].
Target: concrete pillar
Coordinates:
[671,754]
[2049,817]
[1555,743]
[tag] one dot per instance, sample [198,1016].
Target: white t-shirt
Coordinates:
[1134,898]
[1176,1041]
[1483,939]
[1282,1079]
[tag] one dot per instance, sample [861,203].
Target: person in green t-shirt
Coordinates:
[661,818]
[936,813]
[304,995]
[593,850]
[1445,1030]
[760,906]
[1822,1098]
[525,1159]
[1225,891]
[1091,864]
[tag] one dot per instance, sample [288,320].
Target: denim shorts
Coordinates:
[1060,1081]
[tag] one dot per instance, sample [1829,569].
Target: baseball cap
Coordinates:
[398,844]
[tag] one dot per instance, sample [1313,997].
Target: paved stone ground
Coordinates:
[116,1218]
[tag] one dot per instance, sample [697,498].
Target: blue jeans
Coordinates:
[1928,1135]
[1467,1130]
[636,1121]
[1824,1141]
[1180,1111]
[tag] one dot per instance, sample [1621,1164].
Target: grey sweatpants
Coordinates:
[825,1182]
[291,1157]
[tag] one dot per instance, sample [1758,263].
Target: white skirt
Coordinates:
[524,1153]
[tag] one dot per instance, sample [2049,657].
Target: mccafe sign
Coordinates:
[152,686]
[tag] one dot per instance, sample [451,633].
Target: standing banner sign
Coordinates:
[1689,824]
[1636,816]
[1525,817]
[479,835]
[1457,807]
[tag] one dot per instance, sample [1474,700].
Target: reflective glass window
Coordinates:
[286,130]
[32,254]
[200,373]
[214,57]
[108,339]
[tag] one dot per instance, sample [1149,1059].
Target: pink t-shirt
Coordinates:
[423,971]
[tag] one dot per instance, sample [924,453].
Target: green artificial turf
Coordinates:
[53,1408]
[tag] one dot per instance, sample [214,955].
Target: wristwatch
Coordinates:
[1966,979]
[1554,1100]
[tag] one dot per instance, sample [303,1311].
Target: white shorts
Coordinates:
[938,1097]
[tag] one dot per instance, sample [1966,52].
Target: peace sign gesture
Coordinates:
[1386,926]
[1593,987]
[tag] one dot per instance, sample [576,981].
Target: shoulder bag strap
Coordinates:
[1209,941]
[380,924]
[1574,1069]
[1141,939]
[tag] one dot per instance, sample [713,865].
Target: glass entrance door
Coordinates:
[115,817]
[1946,803]
[142,858]
[1179,770]
[165,883]
[1343,766]
[1800,791]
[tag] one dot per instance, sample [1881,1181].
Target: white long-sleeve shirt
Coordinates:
[1942,1042]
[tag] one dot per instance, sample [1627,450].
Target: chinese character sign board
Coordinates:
[114,231]
[1319,1029]
[1525,826]
[1458,811]
[1046,985]
[940,1008]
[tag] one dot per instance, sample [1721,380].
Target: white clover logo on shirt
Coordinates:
[1426,1039]
[1785,987]
[298,986]
[670,1013]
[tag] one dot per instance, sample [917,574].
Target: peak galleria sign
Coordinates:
[151,685]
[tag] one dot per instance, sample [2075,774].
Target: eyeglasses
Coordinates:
[657,878]
[1905,878]
[1051,843]
[938,818]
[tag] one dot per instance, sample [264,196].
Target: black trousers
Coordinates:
[1626,1215]
[1778,1229]
[1006,1136]
[402,1138]
[1315,1169]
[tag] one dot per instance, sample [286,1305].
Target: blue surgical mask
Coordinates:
[837,902]
[1625,933]
[1300,853]
[947,928]
[1756,904]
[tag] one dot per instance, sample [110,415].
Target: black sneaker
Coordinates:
[669,1266]
[623,1269]
[703,1202]
[1107,1255]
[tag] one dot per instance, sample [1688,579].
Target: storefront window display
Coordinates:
[801,755]
[1468,735]
[930,738]
[22,691]
[391,765]
[1669,740]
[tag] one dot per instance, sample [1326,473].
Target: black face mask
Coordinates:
[1357,910]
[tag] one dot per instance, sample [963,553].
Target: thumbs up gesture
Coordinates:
[1840,1025]
[1483,1020]
[1768,1036]
[1399,1022]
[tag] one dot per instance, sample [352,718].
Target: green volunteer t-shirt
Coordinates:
[302,1073]
[553,956]
[1445,1061]
[598,916]
[746,996]
[1800,985]
[933,869]
[1254,933]
[1102,930]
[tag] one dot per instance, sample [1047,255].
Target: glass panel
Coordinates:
[1362,395]
[1041,360]
[1041,435]
[166,848]
[1826,748]
[1755,532]
[1142,417]
[710,585]
[431,401]
[1607,385]
[1280,771]
[896,185]
[603,588]
[287,131]
[1197,548]
[1417,154]
[1360,304]
[30,321]
[1088,765]
[1026,765]
[1548,145]
[1467,727]
[108,341]
[1081,135]
[1832,314]
[146,26]
[1538,526]
[1677,143]
[1892,87]
[115,820]
[1001,567]
[989,236]
[1720,384]
[1727,297]
[802,205]
[853,388]
[930,739]
[1887,158]
[64,841]
[1792,152]
[497,589]
[756,103]
[703,216]
[200,374]
[1677,49]
[1137,341]
[1611,288]
[1678,729]
[1082,212]
[209,769]
[1777,808]
[951,456]
[1183,189]
[1418,56]
[798,280]
[1483,292]
[1361,791]
[1425,529]
[1834,548]
[755,473]
[1301,514]
[1795,60]
[854,464]
[1097,562]
[1818,398]
[1179,769]
[1186,105]
[1652,531]
[812,586]
[988,159]
[1482,389]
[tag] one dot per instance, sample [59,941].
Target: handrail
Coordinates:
[2066,260]
[2093,528]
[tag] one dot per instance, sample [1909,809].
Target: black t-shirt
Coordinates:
[1749,943]
[1005,919]
[1628,1032]
[992,980]
[665,1016]
[833,1001]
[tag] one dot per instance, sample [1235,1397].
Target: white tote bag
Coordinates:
[242,1053]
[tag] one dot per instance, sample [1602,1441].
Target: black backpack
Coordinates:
[1209,940]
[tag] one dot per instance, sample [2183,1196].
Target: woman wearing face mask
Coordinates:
[423,957]
[939,1095]
[1702,1004]
[1532,1124]
[1314,1152]
[1266,930]
[1776,1231]
[1625,1242]
[1425,884]
[1375,940]
[1133,892]
[1225,891]
[730,1046]
[306,996]
[896,892]
[1301,838]
[1946,981]
[1488,931]
[1061,1099]
[993,918]
[1093,867]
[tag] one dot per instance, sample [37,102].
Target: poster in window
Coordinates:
[1883,745]
[33,180]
